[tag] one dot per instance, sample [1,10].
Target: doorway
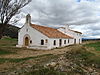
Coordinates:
[74,41]
[60,42]
[26,41]
[79,41]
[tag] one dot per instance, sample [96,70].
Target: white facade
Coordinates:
[76,35]
[32,38]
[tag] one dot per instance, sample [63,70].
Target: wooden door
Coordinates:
[60,42]
[26,41]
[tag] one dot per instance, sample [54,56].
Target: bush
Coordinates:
[95,45]
[79,52]
[81,55]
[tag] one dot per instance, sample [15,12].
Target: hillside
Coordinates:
[71,60]
[11,31]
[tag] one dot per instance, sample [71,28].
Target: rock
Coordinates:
[90,69]
[52,64]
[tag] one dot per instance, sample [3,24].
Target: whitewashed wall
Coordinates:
[35,36]
[71,41]
[75,35]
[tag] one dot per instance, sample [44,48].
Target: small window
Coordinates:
[68,40]
[64,41]
[54,42]
[46,41]
[30,41]
[42,42]
[26,30]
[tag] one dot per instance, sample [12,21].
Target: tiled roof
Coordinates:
[50,32]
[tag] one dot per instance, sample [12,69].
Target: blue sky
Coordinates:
[84,0]
[81,15]
[78,0]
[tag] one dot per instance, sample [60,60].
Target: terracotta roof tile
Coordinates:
[50,32]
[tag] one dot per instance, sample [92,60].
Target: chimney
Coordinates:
[66,28]
[28,19]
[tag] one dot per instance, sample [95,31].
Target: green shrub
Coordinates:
[81,55]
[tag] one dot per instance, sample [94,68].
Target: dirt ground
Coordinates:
[30,53]
[24,53]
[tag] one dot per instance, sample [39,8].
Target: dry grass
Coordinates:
[8,50]
[15,57]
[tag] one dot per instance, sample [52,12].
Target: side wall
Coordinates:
[76,36]
[68,42]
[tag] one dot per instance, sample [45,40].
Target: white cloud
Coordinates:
[57,12]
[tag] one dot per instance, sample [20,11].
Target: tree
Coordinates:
[8,9]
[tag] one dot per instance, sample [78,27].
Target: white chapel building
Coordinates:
[42,37]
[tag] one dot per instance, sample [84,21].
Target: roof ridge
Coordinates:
[43,26]
[50,32]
